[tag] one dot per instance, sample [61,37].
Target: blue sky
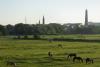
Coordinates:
[55,11]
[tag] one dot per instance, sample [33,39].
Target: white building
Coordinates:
[94,23]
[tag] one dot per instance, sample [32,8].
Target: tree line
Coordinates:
[46,29]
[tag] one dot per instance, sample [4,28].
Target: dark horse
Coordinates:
[49,54]
[77,58]
[89,60]
[71,55]
[11,63]
[60,45]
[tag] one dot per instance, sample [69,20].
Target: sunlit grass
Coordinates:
[34,53]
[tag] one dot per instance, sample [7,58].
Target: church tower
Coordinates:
[86,17]
[43,20]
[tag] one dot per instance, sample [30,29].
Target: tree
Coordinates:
[10,29]
[56,28]
[2,30]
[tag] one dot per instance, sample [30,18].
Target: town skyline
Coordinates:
[62,11]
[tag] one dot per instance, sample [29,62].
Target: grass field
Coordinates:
[34,53]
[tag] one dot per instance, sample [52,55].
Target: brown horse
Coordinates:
[77,58]
[11,63]
[89,60]
[71,55]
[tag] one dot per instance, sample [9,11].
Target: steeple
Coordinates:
[43,20]
[39,21]
[86,17]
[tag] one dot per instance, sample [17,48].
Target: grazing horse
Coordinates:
[11,63]
[89,60]
[49,54]
[60,45]
[77,58]
[50,40]
[71,55]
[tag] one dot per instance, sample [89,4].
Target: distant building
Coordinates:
[86,17]
[94,23]
[73,25]
[87,23]
[43,21]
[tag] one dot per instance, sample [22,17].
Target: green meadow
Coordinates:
[34,53]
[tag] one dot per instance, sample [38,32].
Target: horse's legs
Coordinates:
[73,59]
[86,61]
[82,60]
[68,57]
[92,61]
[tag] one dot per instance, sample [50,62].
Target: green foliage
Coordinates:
[2,30]
[47,29]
